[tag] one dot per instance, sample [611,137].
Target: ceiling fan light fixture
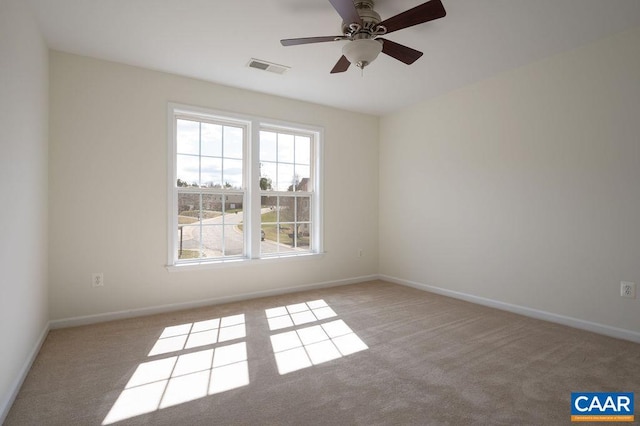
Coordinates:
[362,52]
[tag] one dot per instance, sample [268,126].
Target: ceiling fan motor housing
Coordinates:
[370,21]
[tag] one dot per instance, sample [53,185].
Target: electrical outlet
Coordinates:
[628,289]
[97,279]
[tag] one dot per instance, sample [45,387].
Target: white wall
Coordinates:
[108,195]
[524,188]
[23,190]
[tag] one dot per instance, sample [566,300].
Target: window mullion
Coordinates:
[200,233]
[200,155]
[295,220]
[253,188]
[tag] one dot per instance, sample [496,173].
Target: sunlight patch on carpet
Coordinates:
[312,345]
[174,380]
[201,333]
[298,314]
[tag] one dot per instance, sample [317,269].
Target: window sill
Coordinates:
[215,264]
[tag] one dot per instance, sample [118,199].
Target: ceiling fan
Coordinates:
[362,26]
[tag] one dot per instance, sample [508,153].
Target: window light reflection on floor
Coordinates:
[197,334]
[173,380]
[298,314]
[312,345]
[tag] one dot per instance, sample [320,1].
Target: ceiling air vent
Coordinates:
[267,66]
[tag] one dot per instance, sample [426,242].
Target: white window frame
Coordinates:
[252,191]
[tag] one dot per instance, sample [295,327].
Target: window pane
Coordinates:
[211,172]
[232,173]
[285,148]
[303,209]
[233,206]
[303,150]
[268,245]
[303,235]
[266,184]
[211,208]
[212,240]
[286,178]
[188,137]
[269,217]
[268,146]
[187,170]
[286,240]
[188,203]
[267,176]
[303,174]
[233,240]
[269,205]
[287,209]
[188,208]
[211,140]
[188,242]
[233,142]
[232,220]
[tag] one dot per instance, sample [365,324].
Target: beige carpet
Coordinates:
[367,354]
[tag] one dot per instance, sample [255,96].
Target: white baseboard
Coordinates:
[7,402]
[110,316]
[618,333]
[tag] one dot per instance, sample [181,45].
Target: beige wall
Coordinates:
[23,190]
[108,194]
[524,188]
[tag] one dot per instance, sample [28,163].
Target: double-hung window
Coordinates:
[286,184]
[209,187]
[241,188]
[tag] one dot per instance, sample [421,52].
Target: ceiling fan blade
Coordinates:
[341,66]
[420,14]
[347,11]
[307,40]
[402,53]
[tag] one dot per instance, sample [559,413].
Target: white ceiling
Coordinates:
[214,40]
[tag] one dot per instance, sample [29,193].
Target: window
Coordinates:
[241,188]
[286,191]
[209,186]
